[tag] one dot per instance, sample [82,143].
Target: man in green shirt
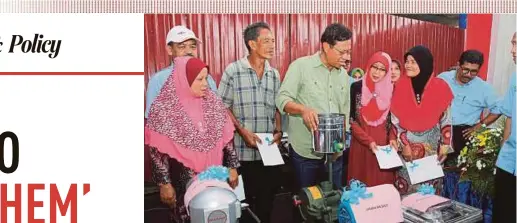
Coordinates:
[316,84]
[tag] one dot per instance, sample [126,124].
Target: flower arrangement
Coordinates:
[477,159]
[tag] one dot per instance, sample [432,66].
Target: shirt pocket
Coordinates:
[343,93]
[339,89]
[315,91]
[471,100]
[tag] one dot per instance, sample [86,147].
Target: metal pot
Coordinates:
[330,136]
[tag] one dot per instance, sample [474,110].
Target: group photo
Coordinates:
[367,118]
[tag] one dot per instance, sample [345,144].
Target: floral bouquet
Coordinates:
[477,159]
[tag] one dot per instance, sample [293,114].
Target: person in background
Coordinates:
[370,122]
[472,96]
[180,41]
[396,70]
[423,124]
[200,136]
[356,74]
[507,128]
[505,177]
[248,88]
[508,121]
[316,84]
[348,65]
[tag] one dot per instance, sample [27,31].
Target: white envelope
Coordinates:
[424,169]
[387,157]
[270,153]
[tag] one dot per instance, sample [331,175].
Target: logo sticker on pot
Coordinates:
[217,217]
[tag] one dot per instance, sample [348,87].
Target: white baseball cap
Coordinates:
[179,34]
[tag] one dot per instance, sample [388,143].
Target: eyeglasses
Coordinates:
[343,52]
[378,68]
[348,62]
[472,72]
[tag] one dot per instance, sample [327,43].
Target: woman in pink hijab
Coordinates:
[370,122]
[188,131]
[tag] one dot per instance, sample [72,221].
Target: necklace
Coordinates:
[418,98]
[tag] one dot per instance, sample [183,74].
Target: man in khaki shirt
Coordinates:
[316,84]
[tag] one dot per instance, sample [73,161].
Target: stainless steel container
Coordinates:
[330,136]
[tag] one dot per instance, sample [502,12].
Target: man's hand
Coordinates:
[468,132]
[249,138]
[234,178]
[168,195]
[373,147]
[310,118]
[277,137]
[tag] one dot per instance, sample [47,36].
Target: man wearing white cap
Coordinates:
[180,41]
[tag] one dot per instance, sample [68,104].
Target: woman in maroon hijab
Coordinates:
[188,131]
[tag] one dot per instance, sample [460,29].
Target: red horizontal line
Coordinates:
[71,73]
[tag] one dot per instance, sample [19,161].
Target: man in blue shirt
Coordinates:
[472,96]
[180,41]
[505,186]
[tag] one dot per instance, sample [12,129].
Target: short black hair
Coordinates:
[336,32]
[472,56]
[252,32]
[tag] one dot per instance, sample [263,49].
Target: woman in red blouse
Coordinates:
[370,122]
